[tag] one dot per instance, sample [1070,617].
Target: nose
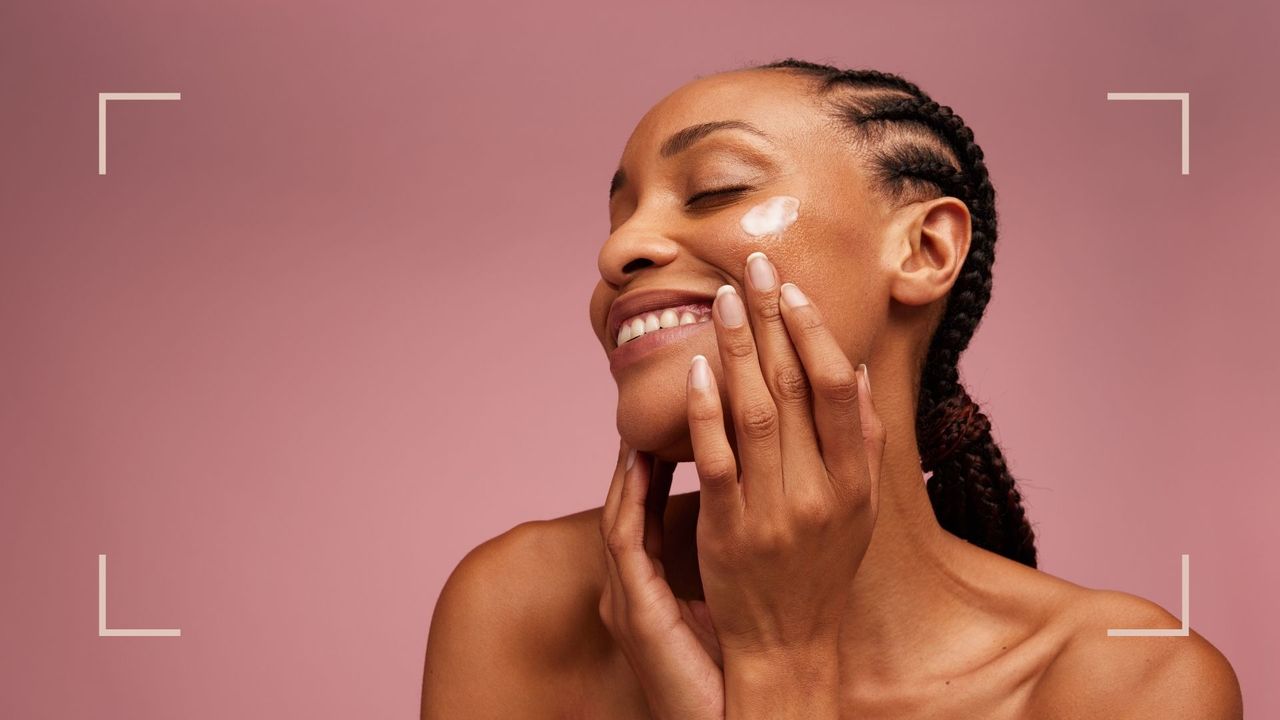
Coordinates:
[632,248]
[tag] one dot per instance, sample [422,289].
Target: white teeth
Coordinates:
[650,322]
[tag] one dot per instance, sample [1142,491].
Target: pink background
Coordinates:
[322,327]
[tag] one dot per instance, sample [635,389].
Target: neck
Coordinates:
[910,589]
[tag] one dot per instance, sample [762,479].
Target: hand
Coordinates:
[669,642]
[783,526]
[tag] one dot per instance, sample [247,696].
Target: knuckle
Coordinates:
[717,472]
[855,492]
[768,309]
[740,345]
[840,386]
[718,549]
[814,510]
[617,543]
[759,421]
[791,383]
[768,540]
[727,559]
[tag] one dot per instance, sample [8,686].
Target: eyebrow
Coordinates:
[682,140]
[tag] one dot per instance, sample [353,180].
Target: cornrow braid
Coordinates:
[920,149]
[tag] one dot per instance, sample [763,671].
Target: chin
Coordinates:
[652,411]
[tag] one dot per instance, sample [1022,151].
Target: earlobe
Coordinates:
[933,243]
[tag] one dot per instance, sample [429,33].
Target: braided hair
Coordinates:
[919,149]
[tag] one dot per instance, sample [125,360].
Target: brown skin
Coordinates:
[935,627]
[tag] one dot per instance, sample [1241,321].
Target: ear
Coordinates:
[929,247]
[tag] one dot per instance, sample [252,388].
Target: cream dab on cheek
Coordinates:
[772,216]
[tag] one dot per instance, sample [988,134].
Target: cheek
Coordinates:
[771,217]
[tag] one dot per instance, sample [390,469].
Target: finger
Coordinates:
[610,510]
[873,433]
[720,501]
[755,416]
[612,600]
[626,539]
[835,390]
[779,364]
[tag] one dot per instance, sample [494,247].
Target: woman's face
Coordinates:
[669,249]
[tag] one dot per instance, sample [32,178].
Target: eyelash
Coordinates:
[732,189]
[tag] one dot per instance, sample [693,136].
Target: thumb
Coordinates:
[873,435]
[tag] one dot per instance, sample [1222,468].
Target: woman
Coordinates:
[782,236]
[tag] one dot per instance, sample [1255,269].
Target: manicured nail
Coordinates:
[701,373]
[792,296]
[732,313]
[631,458]
[866,379]
[760,270]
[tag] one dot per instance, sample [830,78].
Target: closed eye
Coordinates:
[731,190]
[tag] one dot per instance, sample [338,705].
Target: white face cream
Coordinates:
[772,216]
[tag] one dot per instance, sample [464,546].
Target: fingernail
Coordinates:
[760,270]
[701,373]
[729,305]
[866,379]
[631,458]
[792,296]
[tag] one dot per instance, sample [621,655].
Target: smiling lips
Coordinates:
[643,321]
[661,319]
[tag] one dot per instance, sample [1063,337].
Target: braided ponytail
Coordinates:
[920,149]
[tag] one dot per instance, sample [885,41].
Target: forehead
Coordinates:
[779,103]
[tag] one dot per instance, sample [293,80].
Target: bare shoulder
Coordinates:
[1133,678]
[513,620]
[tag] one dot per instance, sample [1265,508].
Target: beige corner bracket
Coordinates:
[1185,99]
[1183,631]
[102,118]
[103,630]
